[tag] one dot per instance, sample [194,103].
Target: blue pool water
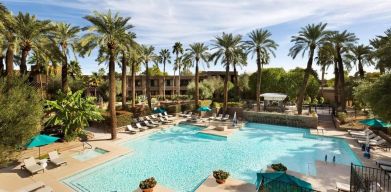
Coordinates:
[181,159]
[89,154]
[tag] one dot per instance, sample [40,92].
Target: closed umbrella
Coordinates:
[41,140]
[234,120]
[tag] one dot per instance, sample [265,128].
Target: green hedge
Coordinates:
[173,108]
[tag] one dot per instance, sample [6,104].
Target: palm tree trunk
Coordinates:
[164,80]
[341,80]
[381,69]
[225,106]
[179,81]
[133,85]
[336,82]
[360,69]
[173,87]
[64,72]
[124,63]
[258,84]
[1,65]
[9,59]
[148,86]
[322,81]
[303,88]
[197,91]
[23,61]
[236,84]
[40,84]
[113,120]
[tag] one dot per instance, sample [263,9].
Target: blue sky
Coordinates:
[162,22]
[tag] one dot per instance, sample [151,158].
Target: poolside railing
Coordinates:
[364,178]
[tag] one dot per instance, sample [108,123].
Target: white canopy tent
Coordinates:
[273,96]
[274,101]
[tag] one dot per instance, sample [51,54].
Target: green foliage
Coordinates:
[234,104]
[361,94]
[220,174]
[342,116]
[216,105]
[72,112]
[244,85]
[148,183]
[376,95]
[278,167]
[173,108]
[21,110]
[205,91]
[124,118]
[155,71]
[187,72]
[205,102]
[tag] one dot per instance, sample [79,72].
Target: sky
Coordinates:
[161,23]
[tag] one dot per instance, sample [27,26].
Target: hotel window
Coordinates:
[184,82]
[168,83]
[152,83]
[138,83]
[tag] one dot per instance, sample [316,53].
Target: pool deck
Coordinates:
[12,178]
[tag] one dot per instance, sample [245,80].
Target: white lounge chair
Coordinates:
[225,118]
[377,143]
[152,121]
[182,114]
[56,159]
[383,162]
[342,186]
[213,117]
[130,129]
[371,136]
[32,166]
[165,121]
[364,141]
[219,117]
[150,125]
[360,133]
[166,114]
[36,187]
[385,168]
[189,114]
[140,127]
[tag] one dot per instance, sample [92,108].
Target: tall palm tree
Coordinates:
[239,60]
[125,48]
[226,47]
[309,38]
[96,79]
[8,30]
[30,32]
[382,51]
[361,55]
[147,55]
[260,44]
[325,58]
[107,32]
[164,58]
[197,52]
[65,36]
[341,41]
[135,61]
[177,49]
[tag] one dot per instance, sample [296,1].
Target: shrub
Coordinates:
[220,174]
[205,103]
[21,111]
[148,183]
[342,117]
[234,104]
[216,105]
[278,167]
[173,108]
[124,118]
[188,107]
[72,112]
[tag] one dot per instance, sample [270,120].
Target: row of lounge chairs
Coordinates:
[31,165]
[149,122]
[361,137]
[220,117]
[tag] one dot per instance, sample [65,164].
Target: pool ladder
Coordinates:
[86,145]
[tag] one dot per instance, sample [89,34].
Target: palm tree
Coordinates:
[164,57]
[226,47]
[135,61]
[309,38]
[125,48]
[341,41]
[65,36]
[239,59]
[177,49]
[30,32]
[325,58]
[260,44]
[197,52]
[8,30]
[382,51]
[96,79]
[361,54]
[107,32]
[147,55]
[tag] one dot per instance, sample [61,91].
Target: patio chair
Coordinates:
[189,114]
[130,129]
[152,121]
[360,133]
[213,117]
[140,127]
[154,117]
[36,187]
[141,119]
[343,186]
[146,123]
[165,121]
[183,114]
[56,159]
[219,117]
[364,141]
[32,166]
[385,168]
[371,136]
[166,114]
[378,143]
[383,162]
[225,118]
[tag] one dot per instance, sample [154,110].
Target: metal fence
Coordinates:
[369,179]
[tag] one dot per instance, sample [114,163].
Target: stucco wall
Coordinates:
[282,119]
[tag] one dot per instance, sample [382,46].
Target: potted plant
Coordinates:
[148,184]
[279,167]
[220,176]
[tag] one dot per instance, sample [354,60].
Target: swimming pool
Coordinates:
[181,159]
[89,154]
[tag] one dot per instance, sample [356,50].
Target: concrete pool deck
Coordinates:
[12,178]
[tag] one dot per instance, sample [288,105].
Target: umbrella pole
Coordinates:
[39,152]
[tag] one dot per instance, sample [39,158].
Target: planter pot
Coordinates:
[147,190]
[220,181]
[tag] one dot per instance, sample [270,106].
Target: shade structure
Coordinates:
[280,179]
[375,123]
[159,110]
[41,140]
[204,108]
[273,96]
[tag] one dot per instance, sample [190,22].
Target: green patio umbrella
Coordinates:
[204,108]
[41,140]
[279,179]
[159,110]
[375,123]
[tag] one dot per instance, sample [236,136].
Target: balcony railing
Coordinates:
[368,179]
